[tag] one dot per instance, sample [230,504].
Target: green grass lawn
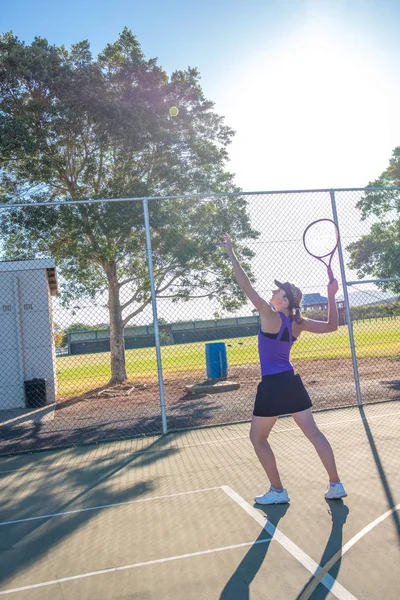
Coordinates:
[78,374]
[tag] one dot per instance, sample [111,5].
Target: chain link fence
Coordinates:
[85,360]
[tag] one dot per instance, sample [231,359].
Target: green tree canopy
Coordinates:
[75,127]
[377,254]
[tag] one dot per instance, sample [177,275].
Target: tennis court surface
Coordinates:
[173,517]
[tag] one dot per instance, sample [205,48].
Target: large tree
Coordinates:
[377,253]
[75,127]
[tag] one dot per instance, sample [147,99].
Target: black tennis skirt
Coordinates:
[281,394]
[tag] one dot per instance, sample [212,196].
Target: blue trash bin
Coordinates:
[216,360]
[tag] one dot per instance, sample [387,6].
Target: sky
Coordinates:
[311,87]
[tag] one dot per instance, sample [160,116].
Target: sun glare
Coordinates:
[315,97]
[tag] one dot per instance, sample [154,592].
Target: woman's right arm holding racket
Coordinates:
[333,317]
[244,282]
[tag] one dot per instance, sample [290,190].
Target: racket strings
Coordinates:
[321,238]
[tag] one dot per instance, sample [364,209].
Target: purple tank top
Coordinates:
[275,353]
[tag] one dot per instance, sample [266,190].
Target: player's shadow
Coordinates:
[332,556]
[238,586]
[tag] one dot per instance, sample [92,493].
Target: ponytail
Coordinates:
[294,314]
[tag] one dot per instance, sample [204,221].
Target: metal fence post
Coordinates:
[155,318]
[347,304]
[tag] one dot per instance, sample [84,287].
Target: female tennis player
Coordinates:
[282,392]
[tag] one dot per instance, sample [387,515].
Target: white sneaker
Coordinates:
[272,497]
[335,492]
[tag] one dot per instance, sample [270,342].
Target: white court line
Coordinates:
[220,441]
[368,528]
[328,566]
[81,510]
[133,566]
[327,580]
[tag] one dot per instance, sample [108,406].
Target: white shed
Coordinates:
[27,346]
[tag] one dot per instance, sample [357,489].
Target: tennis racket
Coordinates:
[321,239]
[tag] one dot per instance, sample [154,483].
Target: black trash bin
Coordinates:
[35,393]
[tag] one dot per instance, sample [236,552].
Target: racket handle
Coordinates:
[330,275]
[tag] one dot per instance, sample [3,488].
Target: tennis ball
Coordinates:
[173,111]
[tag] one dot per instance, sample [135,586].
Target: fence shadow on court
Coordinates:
[385,483]
[30,541]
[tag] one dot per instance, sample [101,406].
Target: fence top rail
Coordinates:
[360,281]
[207,195]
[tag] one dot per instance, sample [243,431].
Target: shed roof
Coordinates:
[38,264]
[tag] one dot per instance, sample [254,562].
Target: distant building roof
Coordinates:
[314,299]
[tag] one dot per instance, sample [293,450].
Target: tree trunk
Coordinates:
[117,345]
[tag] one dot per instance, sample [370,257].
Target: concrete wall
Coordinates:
[26,342]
